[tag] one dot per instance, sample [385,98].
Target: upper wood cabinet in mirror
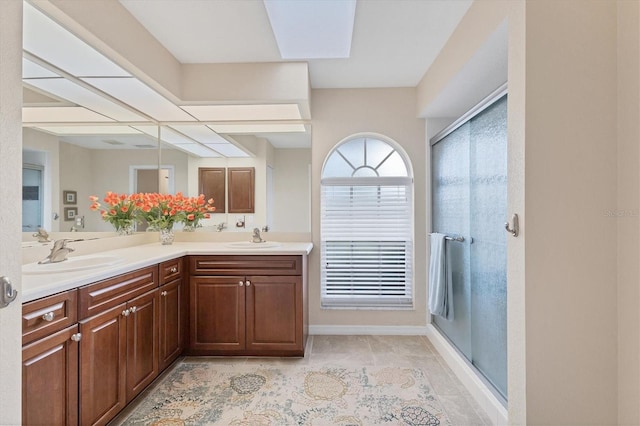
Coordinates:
[241,189]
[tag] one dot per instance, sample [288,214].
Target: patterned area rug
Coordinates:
[201,393]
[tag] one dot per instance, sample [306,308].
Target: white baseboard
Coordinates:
[380,330]
[483,396]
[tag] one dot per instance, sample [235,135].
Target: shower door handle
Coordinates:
[516,226]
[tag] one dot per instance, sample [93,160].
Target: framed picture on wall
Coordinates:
[70,213]
[69,197]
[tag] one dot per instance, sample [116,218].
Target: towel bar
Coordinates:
[458,238]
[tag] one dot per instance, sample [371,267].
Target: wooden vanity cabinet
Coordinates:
[172,312]
[50,360]
[119,347]
[246,305]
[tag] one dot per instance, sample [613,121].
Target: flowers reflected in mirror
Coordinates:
[160,211]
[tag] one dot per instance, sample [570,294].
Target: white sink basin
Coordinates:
[252,245]
[72,264]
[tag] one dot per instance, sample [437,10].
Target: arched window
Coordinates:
[366,225]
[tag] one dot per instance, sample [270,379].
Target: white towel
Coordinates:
[440,282]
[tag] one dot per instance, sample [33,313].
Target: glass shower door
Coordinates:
[470,166]
[450,192]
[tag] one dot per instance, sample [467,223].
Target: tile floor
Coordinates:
[406,351]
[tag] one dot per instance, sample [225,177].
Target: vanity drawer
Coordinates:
[48,315]
[245,265]
[102,295]
[170,270]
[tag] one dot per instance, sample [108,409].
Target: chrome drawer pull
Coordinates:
[48,316]
[248,283]
[126,312]
[76,337]
[164,293]
[240,283]
[133,309]
[173,270]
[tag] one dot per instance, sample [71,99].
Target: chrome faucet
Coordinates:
[59,252]
[221,226]
[42,235]
[256,236]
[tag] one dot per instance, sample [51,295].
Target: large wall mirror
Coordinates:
[90,126]
[61,171]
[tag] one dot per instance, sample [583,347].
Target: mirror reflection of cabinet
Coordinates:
[241,189]
[211,183]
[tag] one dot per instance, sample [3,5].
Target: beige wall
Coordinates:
[291,183]
[338,114]
[627,213]
[563,173]
[10,210]
[570,181]
[76,175]
[110,172]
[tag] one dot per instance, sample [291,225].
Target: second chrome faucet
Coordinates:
[59,252]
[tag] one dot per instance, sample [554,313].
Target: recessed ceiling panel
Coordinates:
[89,130]
[167,134]
[256,128]
[133,92]
[32,70]
[60,115]
[47,40]
[228,150]
[197,149]
[201,133]
[66,89]
[312,28]
[244,112]
[130,141]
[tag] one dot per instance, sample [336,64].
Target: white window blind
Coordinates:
[367,242]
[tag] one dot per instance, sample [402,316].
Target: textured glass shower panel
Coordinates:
[488,195]
[450,196]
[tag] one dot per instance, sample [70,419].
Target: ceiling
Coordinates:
[393,44]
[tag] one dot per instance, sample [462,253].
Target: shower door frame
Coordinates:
[485,103]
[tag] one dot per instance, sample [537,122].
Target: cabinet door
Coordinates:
[241,189]
[217,314]
[170,322]
[274,314]
[211,183]
[103,351]
[50,380]
[142,342]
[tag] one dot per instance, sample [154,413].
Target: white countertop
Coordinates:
[40,285]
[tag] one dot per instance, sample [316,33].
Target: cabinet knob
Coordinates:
[48,316]
[248,283]
[173,270]
[76,337]
[126,313]
[163,293]
[133,309]
[240,283]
